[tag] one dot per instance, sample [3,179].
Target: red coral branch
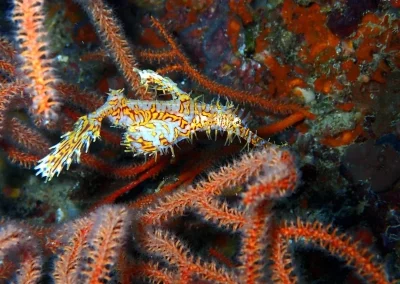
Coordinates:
[101,248]
[114,40]
[175,252]
[6,48]
[30,271]
[66,265]
[154,272]
[126,188]
[327,238]
[19,157]
[32,36]
[254,244]
[200,196]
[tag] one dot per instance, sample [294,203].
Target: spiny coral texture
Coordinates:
[126,242]
[32,37]
[7,92]
[67,264]
[327,238]
[106,239]
[17,245]
[112,34]
[96,248]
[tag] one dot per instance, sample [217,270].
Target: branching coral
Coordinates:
[37,65]
[90,248]
[227,228]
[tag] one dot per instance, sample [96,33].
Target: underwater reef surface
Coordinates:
[263,146]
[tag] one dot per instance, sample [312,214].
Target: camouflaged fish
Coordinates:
[151,127]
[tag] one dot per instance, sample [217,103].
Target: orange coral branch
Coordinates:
[281,125]
[277,178]
[102,247]
[7,67]
[27,137]
[172,249]
[98,55]
[66,265]
[254,242]
[10,236]
[112,35]
[282,268]
[25,160]
[30,270]
[7,48]
[192,169]
[132,170]
[126,188]
[88,101]
[154,272]
[222,258]
[6,269]
[201,196]
[6,92]
[337,244]
[32,35]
